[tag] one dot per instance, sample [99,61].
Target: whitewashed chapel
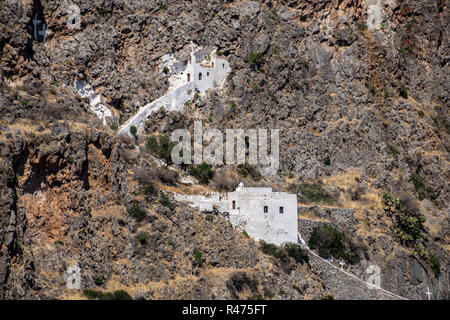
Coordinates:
[262,213]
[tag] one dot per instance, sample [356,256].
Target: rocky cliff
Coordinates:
[359,91]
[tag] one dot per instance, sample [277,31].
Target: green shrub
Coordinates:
[171,243]
[362,26]
[408,225]
[133,130]
[435,265]
[423,191]
[393,151]
[137,212]
[328,297]
[99,295]
[150,190]
[198,257]
[245,170]
[142,238]
[304,63]
[330,242]
[273,15]
[152,144]
[91,294]
[255,59]
[421,113]
[327,161]
[295,251]
[311,193]
[98,281]
[272,250]
[203,172]
[165,70]
[101,10]
[403,92]
[162,147]
[114,127]
[122,295]
[296,288]
[165,201]
[245,234]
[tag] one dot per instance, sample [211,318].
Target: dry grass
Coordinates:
[370,200]
[113,210]
[181,189]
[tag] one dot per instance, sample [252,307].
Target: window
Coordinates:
[234,204]
[189,77]
[200,76]
[266,209]
[281,210]
[207,74]
[223,65]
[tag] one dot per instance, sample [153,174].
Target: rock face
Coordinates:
[352,85]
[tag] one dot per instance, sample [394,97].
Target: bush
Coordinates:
[240,280]
[122,295]
[272,250]
[203,172]
[147,176]
[245,170]
[330,242]
[225,182]
[327,161]
[98,281]
[98,295]
[408,223]
[198,257]
[166,70]
[167,176]
[423,191]
[255,59]
[137,212]
[133,130]
[245,234]
[142,238]
[357,192]
[150,190]
[152,144]
[273,15]
[362,26]
[295,251]
[435,265]
[403,92]
[311,193]
[165,201]
[161,148]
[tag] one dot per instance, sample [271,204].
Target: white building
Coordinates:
[270,216]
[263,214]
[202,70]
